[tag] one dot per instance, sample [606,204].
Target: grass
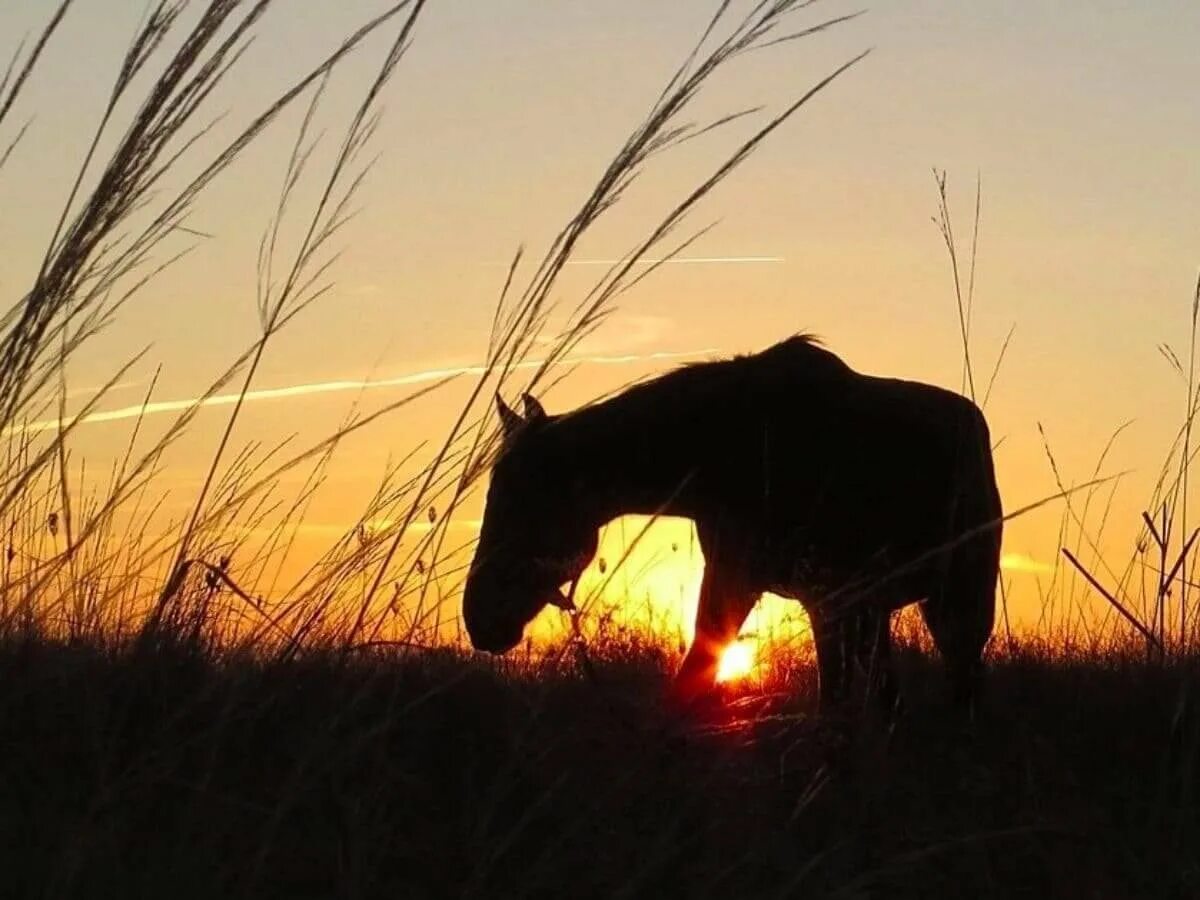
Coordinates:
[437,774]
[179,718]
[385,577]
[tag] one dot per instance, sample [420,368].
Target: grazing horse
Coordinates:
[853,494]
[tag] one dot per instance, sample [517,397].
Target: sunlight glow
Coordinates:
[737,661]
[645,580]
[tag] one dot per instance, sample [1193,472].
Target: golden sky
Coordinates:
[1081,120]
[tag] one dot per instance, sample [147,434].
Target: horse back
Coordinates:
[813,460]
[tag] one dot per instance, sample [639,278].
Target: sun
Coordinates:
[737,661]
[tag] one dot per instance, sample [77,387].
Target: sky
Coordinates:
[1079,120]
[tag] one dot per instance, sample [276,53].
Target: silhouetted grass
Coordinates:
[431,773]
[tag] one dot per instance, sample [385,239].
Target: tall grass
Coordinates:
[1150,593]
[387,579]
[393,576]
[1149,597]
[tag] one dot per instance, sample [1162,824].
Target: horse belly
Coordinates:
[853,549]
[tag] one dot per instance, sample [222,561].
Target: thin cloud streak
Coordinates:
[684,261]
[331,387]
[74,393]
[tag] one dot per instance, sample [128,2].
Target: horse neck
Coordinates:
[623,462]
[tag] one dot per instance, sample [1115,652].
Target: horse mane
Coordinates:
[798,341]
[647,394]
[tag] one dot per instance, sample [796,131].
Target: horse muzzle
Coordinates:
[491,635]
[495,641]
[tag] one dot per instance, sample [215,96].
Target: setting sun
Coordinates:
[737,661]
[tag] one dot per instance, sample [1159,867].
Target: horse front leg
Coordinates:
[724,604]
[873,651]
[832,638]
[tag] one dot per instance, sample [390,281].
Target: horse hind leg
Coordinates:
[960,614]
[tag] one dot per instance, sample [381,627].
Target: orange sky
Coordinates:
[1082,121]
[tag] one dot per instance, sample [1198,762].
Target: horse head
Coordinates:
[536,536]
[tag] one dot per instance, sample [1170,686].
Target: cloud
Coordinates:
[1019,562]
[93,390]
[625,334]
[330,387]
[685,261]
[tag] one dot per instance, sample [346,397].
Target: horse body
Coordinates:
[853,494]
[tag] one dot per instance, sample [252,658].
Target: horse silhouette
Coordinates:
[853,494]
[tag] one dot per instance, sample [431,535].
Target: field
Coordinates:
[188,709]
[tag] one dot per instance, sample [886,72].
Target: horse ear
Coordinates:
[533,409]
[510,419]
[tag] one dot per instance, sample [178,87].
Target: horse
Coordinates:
[854,494]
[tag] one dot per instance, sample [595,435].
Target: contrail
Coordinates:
[331,387]
[683,261]
[91,391]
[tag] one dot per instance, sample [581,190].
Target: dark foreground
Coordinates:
[437,776]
